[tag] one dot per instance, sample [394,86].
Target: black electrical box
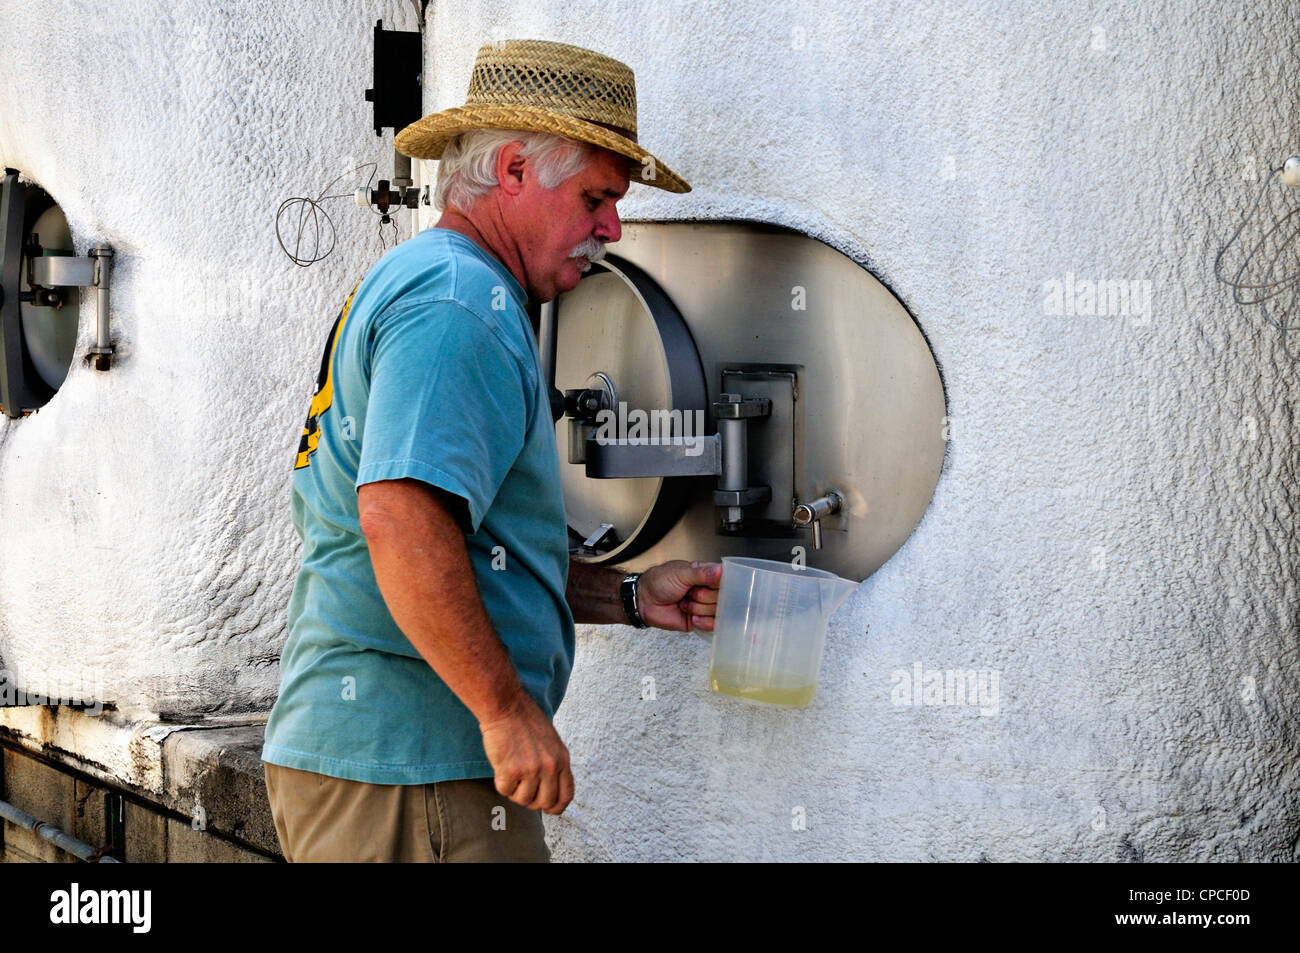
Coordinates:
[396,93]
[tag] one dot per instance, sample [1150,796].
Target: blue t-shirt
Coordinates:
[431,372]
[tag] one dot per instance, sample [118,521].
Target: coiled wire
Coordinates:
[314,235]
[1269,271]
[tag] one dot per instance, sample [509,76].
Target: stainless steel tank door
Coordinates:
[740,389]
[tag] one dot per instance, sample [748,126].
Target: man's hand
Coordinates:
[680,596]
[530,760]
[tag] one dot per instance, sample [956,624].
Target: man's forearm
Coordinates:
[593,594]
[423,571]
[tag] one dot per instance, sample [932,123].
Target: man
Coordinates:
[431,625]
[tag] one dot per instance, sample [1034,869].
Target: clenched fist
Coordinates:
[680,595]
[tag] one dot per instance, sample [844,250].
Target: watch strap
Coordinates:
[631,607]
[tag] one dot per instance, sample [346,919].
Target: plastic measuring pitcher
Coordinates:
[770,628]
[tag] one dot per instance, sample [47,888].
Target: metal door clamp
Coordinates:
[50,273]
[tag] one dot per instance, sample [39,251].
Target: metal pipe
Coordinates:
[547,349]
[401,172]
[49,832]
[103,351]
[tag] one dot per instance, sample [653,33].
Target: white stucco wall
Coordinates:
[1114,531]
[146,541]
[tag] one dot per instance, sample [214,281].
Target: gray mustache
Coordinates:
[590,249]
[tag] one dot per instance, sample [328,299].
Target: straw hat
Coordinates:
[541,86]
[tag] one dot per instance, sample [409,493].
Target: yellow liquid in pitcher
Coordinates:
[731,681]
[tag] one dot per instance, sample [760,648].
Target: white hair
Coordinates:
[467,170]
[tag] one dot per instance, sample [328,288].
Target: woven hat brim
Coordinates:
[426,138]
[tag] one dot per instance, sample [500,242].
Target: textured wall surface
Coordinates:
[147,547]
[1113,537]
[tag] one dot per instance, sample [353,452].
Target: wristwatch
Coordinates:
[630,605]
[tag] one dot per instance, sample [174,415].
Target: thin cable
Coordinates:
[386,218]
[1272,254]
[310,216]
[1238,284]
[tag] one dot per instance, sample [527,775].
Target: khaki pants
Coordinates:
[324,819]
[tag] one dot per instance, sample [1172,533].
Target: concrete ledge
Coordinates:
[209,774]
[215,775]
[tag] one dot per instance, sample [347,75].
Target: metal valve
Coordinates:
[813,511]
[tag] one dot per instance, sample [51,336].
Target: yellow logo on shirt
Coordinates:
[324,396]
